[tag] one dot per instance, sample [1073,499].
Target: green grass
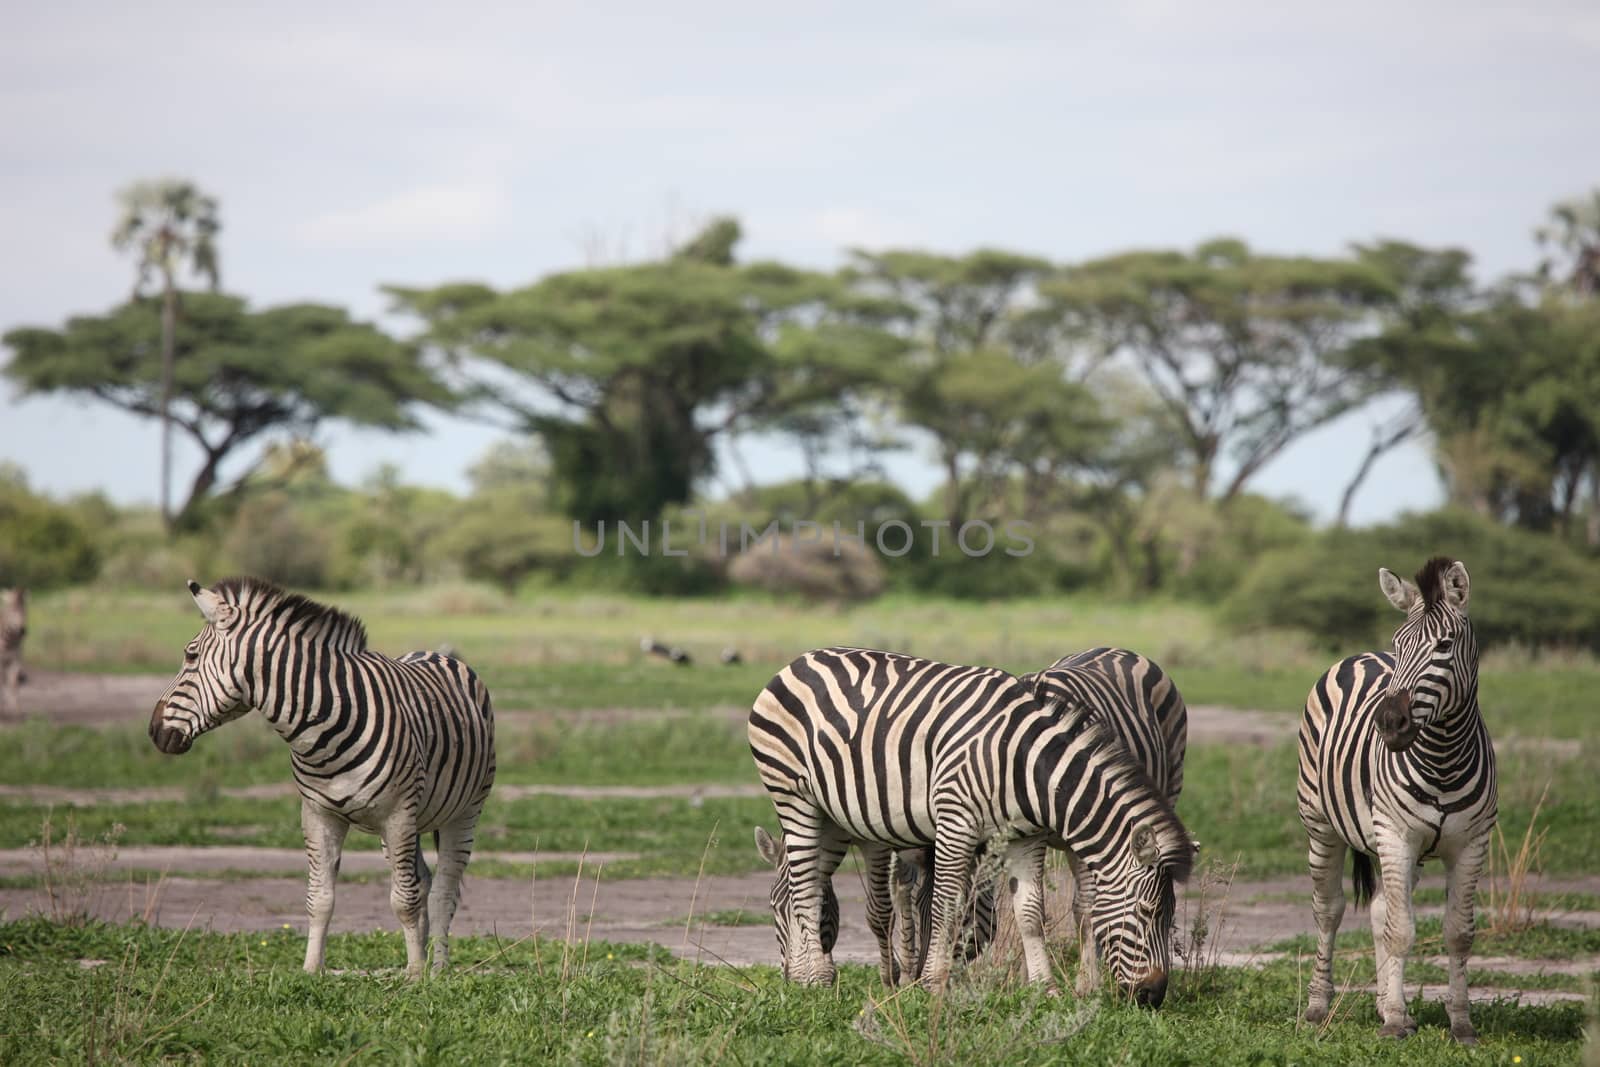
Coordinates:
[1238,799]
[242,999]
[660,749]
[1541,941]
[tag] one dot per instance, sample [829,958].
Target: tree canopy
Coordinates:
[637,369]
[239,374]
[1242,348]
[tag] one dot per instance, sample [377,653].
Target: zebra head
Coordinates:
[782,900]
[1435,653]
[207,691]
[1134,904]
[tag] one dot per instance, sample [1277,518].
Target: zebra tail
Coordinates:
[1363,880]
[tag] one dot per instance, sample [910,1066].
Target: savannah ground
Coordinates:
[616,908]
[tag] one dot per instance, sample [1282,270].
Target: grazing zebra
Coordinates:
[894,752]
[13,628]
[1428,789]
[398,748]
[1139,702]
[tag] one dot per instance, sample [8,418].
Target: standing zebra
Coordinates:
[398,748]
[894,752]
[13,628]
[1427,790]
[1143,708]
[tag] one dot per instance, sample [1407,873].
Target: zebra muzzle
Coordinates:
[1396,727]
[172,741]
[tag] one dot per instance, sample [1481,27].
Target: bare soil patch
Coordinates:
[1254,916]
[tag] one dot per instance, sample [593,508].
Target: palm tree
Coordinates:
[1572,234]
[168,224]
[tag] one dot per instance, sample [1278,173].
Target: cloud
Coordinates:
[459,211]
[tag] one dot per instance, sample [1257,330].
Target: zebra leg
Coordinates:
[1326,858]
[454,850]
[1088,979]
[953,852]
[906,881]
[10,679]
[1025,864]
[1461,887]
[1398,870]
[880,909]
[814,848]
[408,887]
[1379,909]
[324,832]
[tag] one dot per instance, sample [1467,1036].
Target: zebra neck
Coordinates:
[1446,749]
[300,687]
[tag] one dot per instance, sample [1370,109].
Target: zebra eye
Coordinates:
[1446,645]
[191,655]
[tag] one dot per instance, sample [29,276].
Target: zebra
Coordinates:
[1427,790]
[398,748]
[890,752]
[13,628]
[1142,706]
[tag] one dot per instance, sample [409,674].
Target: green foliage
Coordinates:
[646,364]
[1239,346]
[42,544]
[271,539]
[1526,588]
[238,374]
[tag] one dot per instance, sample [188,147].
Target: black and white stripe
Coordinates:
[1396,765]
[890,752]
[399,748]
[1139,703]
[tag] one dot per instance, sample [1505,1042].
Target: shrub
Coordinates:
[1526,587]
[814,569]
[271,539]
[42,544]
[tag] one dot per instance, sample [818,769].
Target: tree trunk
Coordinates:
[169,322]
[201,487]
[1375,450]
[952,492]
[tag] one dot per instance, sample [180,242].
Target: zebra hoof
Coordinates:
[1397,1030]
[1464,1034]
[1316,1014]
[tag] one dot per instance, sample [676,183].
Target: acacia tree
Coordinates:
[1421,343]
[168,225]
[638,369]
[238,375]
[1244,350]
[975,374]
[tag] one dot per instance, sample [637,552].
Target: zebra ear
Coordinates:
[1457,586]
[770,850]
[1145,848]
[216,611]
[1401,593]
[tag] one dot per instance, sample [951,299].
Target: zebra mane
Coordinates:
[257,595]
[1430,580]
[1104,739]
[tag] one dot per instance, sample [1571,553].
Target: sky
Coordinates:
[354,145]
